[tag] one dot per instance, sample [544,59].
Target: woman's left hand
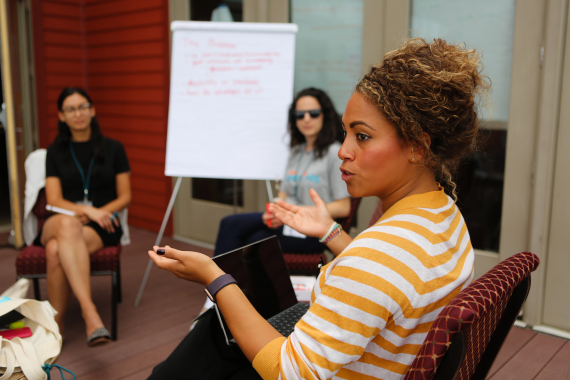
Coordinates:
[191,266]
[101,217]
[311,221]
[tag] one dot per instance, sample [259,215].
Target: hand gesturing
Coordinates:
[311,221]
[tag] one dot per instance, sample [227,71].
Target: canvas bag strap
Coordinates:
[21,352]
[10,359]
[30,365]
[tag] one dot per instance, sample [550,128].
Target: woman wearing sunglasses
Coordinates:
[407,125]
[315,133]
[89,175]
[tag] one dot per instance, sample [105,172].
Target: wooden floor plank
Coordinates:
[77,349]
[531,359]
[163,317]
[144,374]
[515,341]
[111,354]
[558,367]
[132,365]
[169,305]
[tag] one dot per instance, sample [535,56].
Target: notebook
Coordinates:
[262,275]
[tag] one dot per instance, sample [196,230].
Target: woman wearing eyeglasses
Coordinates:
[316,135]
[88,174]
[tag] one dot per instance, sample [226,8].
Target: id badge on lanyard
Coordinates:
[84,179]
[85,202]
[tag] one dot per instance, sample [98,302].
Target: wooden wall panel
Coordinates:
[146,155]
[67,67]
[72,10]
[152,17]
[122,110]
[62,38]
[57,50]
[128,65]
[118,51]
[127,81]
[63,23]
[127,48]
[61,80]
[152,33]
[138,50]
[111,9]
[128,95]
[66,53]
[134,124]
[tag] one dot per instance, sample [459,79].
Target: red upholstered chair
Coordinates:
[467,335]
[31,263]
[307,263]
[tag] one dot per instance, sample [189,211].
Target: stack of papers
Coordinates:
[303,286]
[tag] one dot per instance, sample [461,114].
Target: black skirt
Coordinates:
[109,239]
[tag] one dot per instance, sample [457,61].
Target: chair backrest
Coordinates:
[39,209]
[467,335]
[348,222]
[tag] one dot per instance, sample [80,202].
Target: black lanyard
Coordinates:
[85,181]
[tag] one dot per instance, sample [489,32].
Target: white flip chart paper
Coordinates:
[231,86]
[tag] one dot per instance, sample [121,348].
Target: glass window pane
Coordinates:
[201,10]
[217,190]
[488,26]
[328,52]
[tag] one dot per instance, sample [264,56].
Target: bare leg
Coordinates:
[59,290]
[74,259]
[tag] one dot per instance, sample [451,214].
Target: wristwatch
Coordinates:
[217,285]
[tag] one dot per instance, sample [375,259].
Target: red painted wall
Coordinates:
[119,52]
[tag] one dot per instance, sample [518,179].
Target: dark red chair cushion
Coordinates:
[32,260]
[303,263]
[39,209]
[475,311]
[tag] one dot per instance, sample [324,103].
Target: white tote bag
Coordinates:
[27,356]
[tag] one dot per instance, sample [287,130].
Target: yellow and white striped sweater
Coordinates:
[374,304]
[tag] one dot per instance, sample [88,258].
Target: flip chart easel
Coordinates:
[230,87]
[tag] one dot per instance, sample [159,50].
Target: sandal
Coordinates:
[99,336]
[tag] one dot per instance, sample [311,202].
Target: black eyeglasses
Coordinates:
[82,109]
[299,115]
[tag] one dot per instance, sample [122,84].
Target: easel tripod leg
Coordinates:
[159,238]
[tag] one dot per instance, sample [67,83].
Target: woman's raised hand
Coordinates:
[191,266]
[311,221]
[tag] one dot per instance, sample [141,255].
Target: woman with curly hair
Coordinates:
[316,133]
[407,125]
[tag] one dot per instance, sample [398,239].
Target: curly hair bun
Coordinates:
[431,88]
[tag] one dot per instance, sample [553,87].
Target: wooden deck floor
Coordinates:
[147,334]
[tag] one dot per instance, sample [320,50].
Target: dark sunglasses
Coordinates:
[299,115]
